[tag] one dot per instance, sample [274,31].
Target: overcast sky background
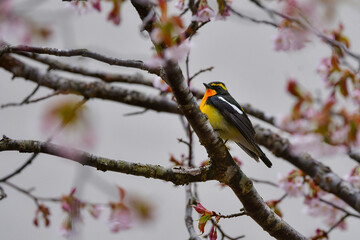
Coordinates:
[243,56]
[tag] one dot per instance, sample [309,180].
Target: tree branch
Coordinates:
[79,52]
[321,174]
[30,101]
[189,222]
[89,90]
[104,76]
[176,175]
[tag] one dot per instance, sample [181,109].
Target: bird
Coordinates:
[230,120]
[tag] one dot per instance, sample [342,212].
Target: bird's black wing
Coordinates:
[234,114]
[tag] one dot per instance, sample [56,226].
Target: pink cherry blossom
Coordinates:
[120,218]
[204,14]
[71,207]
[66,229]
[80,7]
[286,123]
[68,123]
[290,38]
[314,207]
[354,177]
[293,186]
[155,61]
[159,83]
[177,52]
[324,69]
[356,96]
[156,35]
[180,4]
[114,16]
[314,144]
[213,233]
[95,210]
[96,4]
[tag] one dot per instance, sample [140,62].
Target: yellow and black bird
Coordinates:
[229,119]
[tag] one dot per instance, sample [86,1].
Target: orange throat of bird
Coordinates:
[208,93]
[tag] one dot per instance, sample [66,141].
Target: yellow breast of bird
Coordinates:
[226,130]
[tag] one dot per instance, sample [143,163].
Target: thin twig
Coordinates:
[337,223]
[37,199]
[31,101]
[251,18]
[339,208]
[28,193]
[264,182]
[31,94]
[200,71]
[282,197]
[135,113]
[234,215]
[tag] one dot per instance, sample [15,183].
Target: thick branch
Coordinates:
[79,52]
[176,175]
[321,174]
[89,90]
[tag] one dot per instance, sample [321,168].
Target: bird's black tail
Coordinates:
[267,162]
[255,156]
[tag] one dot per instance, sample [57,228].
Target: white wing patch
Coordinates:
[232,105]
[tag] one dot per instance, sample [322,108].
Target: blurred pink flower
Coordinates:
[180,4]
[156,35]
[177,52]
[203,14]
[290,38]
[314,144]
[120,218]
[292,185]
[70,124]
[71,206]
[155,61]
[299,125]
[96,4]
[354,177]
[356,96]
[66,229]
[213,233]
[324,69]
[114,16]
[80,7]
[95,210]
[6,6]
[159,83]
[314,207]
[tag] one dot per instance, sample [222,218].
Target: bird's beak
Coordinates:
[206,85]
